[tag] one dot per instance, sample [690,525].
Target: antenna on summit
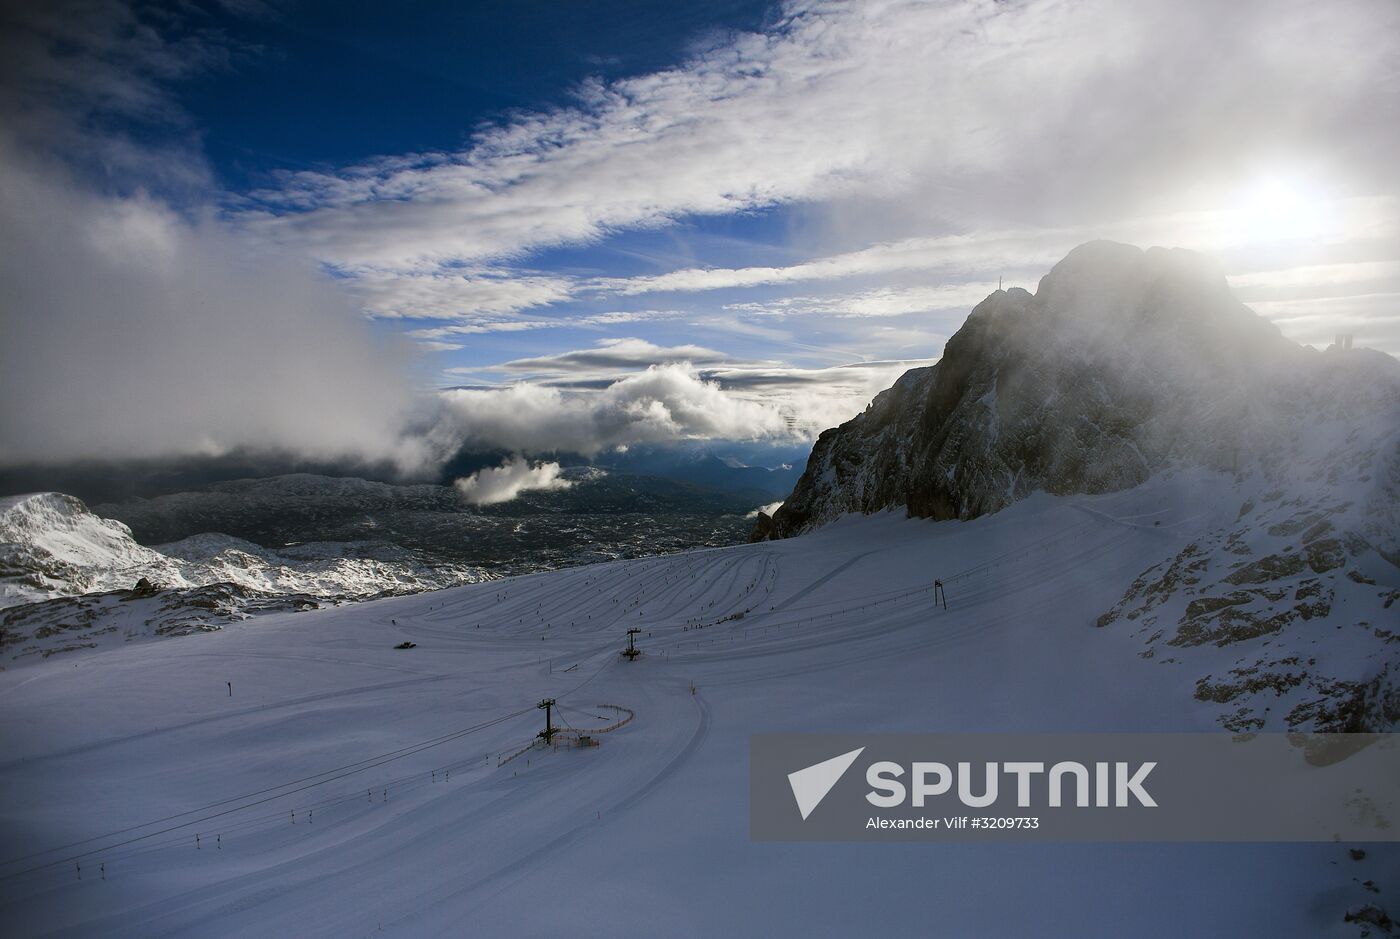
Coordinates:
[998,281]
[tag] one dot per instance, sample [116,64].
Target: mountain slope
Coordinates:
[1128,366]
[648,832]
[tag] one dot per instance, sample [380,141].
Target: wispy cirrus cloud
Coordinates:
[954,254]
[874,302]
[452,293]
[790,115]
[481,325]
[1011,250]
[478,326]
[1039,125]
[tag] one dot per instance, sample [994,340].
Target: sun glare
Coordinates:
[1279,208]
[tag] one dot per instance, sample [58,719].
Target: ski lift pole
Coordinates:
[548,733]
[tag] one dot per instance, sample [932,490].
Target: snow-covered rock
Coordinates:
[316,568]
[51,545]
[69,577]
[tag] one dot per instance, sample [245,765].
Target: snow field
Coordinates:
[407,822]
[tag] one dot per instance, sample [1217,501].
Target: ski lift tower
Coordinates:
[631,652]
[548,733]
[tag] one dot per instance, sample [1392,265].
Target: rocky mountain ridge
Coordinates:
[1129,364]
[1122,363]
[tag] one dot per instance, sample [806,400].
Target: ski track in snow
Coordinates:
[647,833]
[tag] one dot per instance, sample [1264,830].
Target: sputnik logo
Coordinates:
[810,785]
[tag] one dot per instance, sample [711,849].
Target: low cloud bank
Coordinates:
[503,483]
[664,403]
[134,332]
[139,323]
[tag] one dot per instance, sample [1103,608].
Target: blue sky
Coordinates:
[390,230]
[321,85]
[308,92]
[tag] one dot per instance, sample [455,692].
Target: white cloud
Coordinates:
[901,112]
[1316,275]
[610,356]
[1002,133]
[620,317]
[875,302]
[955,253]
[131,328]
[821,108]
[1012,251]
[451,294]
[813,399]
[130,331]
[432,336]
[663,403]
[503,483]
[478,327]
[591,399]
[1374,319]
[859,377]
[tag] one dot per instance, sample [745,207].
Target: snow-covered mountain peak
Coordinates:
[51,544]
[1132,369]
[1122,363]
[63,526]
[1107,277]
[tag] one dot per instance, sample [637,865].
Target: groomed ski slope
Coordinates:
[347,788]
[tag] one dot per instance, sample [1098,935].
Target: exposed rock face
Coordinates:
[762,528]
[1122,361]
